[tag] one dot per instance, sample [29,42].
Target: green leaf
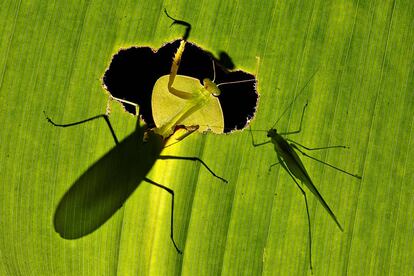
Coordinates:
[52,58]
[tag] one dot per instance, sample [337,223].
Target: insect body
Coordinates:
[188,102]
[291,162]
[289,159]
[182,100]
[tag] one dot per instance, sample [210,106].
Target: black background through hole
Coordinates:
[134,71]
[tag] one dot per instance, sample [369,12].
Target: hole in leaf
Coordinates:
[133,73]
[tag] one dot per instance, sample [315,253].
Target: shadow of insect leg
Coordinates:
[327,164]
[104,116]
[257,144]
[317,148]
[271,166]
[180,22]
[166,157]
[171,192]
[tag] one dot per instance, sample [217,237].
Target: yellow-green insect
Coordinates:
[106,185]
[182,100]
[288,158]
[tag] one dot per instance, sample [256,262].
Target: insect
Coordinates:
[101,190]
[286,151]
[182,100]
[134,71]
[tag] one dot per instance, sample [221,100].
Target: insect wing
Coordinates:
[297,168]
[99,192]
[167,107]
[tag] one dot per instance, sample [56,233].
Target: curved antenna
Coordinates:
[297,95]
[214,71]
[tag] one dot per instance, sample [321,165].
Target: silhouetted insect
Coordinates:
[285,149]
[100,191]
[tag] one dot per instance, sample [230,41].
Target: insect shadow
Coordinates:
[286,151]
[225,60]
[105,186]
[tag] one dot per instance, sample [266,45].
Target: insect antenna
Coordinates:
[243,81]
[214,70]
[233,82]
[297,95]
[230,82]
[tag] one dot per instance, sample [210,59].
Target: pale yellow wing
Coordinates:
[201,109]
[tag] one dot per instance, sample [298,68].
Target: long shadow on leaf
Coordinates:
[106,185]
[99,192]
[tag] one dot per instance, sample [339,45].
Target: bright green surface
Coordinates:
[52,58]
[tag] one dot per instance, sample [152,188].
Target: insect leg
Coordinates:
[327,164]
[319,148]
[307,211]
[166,157]
[271,166]
[105,116]
[125,102]
[171,192]
[258,144]
[173,73]
[300,126]
[177,59]
[189,130]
